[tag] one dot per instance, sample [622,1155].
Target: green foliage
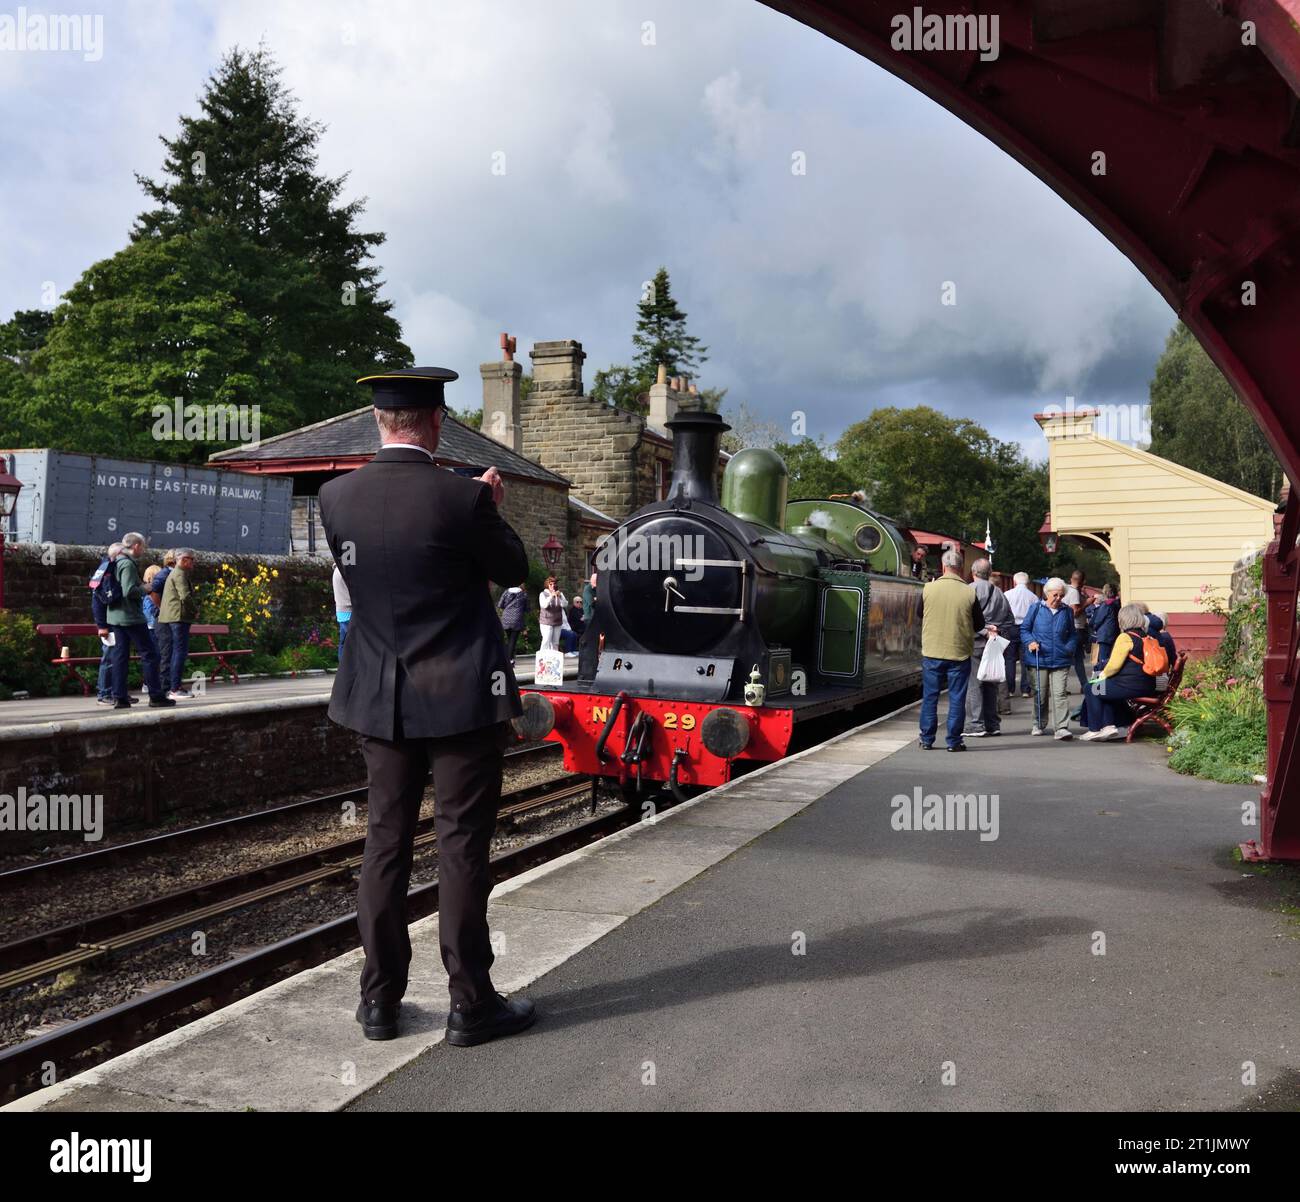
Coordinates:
[660,337]
[947,475]
[247,284]
[1220,729]
[24,658]
[1197,420]
[20,338]
[1245,633]
[813,472]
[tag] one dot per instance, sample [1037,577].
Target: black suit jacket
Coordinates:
[417,546]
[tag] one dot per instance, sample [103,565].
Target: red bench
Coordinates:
[61,631]
[1156,709]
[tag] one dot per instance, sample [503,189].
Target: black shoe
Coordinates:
[489,1020]
[120,704]
[378,1019]
[927,746]
[161,702]
[959,747]
[134,700]
[993,734]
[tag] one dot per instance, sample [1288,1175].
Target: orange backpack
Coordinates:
[1154,658]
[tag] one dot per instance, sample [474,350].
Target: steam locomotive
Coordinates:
[726,623]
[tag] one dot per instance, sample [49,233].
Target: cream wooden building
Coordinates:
[1169,531]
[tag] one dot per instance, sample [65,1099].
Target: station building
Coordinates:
[574,466]
[1171,533]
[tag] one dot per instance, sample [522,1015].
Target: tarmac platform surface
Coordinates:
[930,952]
[664,958]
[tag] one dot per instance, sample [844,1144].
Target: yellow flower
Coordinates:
[275,572]
[227,617]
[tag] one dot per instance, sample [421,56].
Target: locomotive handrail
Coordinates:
[601,753]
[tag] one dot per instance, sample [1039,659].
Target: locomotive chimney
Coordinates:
[696,438]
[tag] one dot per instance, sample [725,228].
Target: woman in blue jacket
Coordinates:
[1047,635]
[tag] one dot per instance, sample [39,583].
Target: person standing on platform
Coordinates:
[99,611]
[127,625]
[1078,604]
[180,608]
[550,614]
[342,607]
[513,604]
[427,685]
[950,618]
[162,633]
[589,642]
[1048,635]
[1020,599]
[1103,622]
[982,696]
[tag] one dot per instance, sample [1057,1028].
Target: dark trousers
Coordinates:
[1026,674]
[512,637]
[180,644]
[142,637]
[589,652]
[162,634]
[1105,704]
[467,788]
[343,635]
[1082,647]
[935,674]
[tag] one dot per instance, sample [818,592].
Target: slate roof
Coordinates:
[354,433]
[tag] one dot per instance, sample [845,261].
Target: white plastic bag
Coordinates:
[993,668]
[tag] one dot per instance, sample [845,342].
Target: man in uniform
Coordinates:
[427,684]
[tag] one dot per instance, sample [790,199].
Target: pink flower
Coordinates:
[1232,680]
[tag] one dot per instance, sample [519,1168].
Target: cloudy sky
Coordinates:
[626,145]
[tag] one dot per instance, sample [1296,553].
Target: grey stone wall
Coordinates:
[148,767]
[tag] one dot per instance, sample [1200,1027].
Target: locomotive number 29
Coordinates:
[600,713]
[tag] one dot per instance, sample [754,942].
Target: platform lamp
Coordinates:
[1047,536]
[552,549]
[10,487]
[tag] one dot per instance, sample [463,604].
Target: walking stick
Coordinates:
[1038,694]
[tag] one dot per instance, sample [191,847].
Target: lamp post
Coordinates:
[10,487]
[552,549]
[1047,536]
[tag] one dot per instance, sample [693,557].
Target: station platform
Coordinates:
[778,943]
[36,716]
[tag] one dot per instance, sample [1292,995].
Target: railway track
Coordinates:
[72,1048]
[24,961]
[236,825]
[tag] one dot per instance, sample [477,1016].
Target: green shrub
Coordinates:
[1220,733]
[24,658]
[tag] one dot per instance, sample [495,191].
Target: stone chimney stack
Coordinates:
[501,398]
[668,396]
[557,368]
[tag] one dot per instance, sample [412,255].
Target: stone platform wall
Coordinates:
[153,766]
